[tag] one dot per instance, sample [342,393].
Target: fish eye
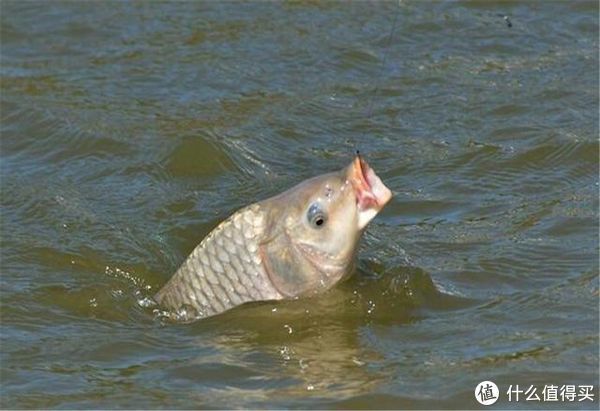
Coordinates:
[316,216]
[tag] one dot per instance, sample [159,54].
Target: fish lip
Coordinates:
[370,191]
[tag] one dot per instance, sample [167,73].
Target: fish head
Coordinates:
[315,228]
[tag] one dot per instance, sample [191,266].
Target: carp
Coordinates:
[298,243]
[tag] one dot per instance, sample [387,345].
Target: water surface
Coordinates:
[130,129]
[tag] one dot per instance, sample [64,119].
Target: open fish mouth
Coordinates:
[371,193]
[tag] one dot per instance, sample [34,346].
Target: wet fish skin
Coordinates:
[277,248]
[223,271]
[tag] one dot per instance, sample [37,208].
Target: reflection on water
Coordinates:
[129,130]
[318,347]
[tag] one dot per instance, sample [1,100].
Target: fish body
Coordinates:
[300,242]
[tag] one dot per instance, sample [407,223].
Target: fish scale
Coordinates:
[223,271]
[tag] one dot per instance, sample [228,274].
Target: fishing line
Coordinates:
[385,56]
[381,70]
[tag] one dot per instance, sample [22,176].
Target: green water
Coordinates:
[130,129]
